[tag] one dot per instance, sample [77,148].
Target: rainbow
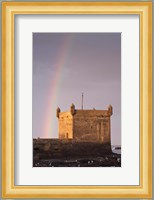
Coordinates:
[54,89]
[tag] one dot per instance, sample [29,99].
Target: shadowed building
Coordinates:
[85,125]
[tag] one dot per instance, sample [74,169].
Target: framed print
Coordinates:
[77,99]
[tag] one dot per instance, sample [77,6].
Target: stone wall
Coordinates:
[56,148]
[91,125]
[65,125]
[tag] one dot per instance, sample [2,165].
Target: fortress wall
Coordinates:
[91,125]
[85,128]
[85,125]
[92,112]
[55,149]
[65,125]
[106,129]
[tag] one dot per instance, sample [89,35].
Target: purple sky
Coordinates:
[67,64]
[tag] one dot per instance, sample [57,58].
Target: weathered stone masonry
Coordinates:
[85,125]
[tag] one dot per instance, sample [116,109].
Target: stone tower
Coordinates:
[85,125]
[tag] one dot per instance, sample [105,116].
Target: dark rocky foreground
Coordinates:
[113,160]
[69,153]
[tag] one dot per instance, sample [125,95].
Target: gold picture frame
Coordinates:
[9,10]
